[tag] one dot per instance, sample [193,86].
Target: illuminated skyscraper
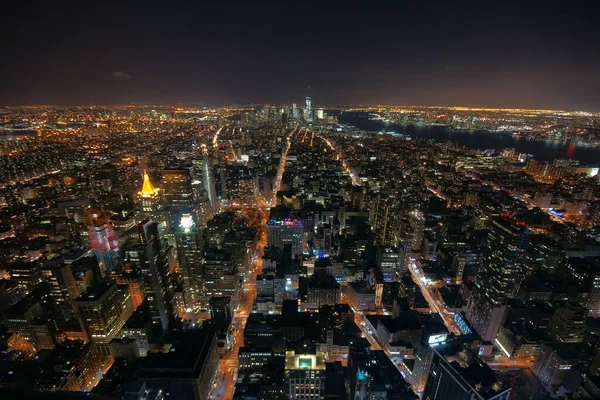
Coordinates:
[499,277]
[390,261]
[308,109]
[203,182]
[287,231]
[554,362]
[503,258]
[63,287]
[103,239]
[294,111]
[305,375]
[156,275]
[203,189]
[456,373]
[219,274]
[27,275]
[209,182]
[148,198]
[177,187]
[102,311]
[189,252]
[484,314]
[178,199]
[245,190]
[567,325]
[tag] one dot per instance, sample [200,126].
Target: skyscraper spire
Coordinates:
[148,189]
[148,198]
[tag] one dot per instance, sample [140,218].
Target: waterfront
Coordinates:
[544,150]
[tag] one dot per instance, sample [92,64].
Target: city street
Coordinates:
[225,379]
[434,304]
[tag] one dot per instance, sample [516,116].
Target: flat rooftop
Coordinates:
[95,292]
[185,358]
[471,369]
[361,287]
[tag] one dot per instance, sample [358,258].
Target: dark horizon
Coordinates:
[472,54]
[299,103]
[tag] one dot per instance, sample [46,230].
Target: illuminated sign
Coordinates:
[286,222]
[437,339]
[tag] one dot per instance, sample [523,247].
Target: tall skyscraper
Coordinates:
[148,198]
[585,274]
[209,182]
[287,231]
[567,325]
[190,246]
[502,269]
[177,190]
[554,362]
[178,200]
[186,372]
[499,277]
[308,109]
[246,189]
[156,275]
[203,190]
[391,262]
[423,355]
[417,224]
[219,274]
[103,239]
[322,290]
[27,274]
[305,375]
[63,287]
[458,374]
[102,311]
[294,111]
[485,315]
[220,312]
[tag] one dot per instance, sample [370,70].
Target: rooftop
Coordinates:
[304,361]
[471,369]
[95,292]
[361,287]
[148,190]
[323,282]
[185,358]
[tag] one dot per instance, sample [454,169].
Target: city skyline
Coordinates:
[267,201]
[298,252]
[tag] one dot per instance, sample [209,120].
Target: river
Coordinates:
[544,150]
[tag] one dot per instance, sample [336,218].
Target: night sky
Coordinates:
[476,53]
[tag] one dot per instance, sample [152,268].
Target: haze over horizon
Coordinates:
[499,54]
[299,102]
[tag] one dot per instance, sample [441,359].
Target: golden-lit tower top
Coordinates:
[148,190]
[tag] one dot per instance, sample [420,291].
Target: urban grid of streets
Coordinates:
[225,379]
[224,382]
